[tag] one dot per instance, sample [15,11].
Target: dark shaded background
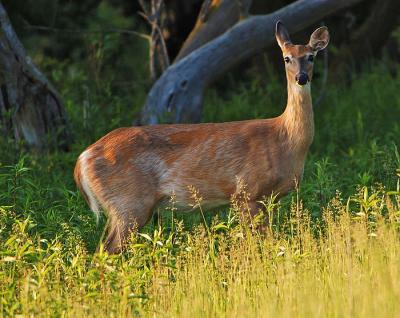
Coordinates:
[68,21]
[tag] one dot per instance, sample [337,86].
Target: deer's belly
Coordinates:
[214,187]
[186,205]
[278,181]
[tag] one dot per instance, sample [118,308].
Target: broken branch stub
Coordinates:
[215,18]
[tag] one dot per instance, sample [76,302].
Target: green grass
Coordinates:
[332,248]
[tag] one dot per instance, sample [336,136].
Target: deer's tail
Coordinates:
[84,185]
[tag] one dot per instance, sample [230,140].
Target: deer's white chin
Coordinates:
[302,88]
[305,85]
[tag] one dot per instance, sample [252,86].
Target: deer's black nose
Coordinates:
[302,78]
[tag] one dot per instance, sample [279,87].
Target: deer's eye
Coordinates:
[311,58]
[287,59]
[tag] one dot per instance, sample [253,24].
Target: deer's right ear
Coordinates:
[319,39]
[281,34]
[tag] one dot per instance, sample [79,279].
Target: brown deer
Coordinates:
[131,170]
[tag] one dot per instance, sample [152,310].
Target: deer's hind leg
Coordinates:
[125,214]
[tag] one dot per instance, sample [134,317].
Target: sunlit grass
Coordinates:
[331,250]
[345,264]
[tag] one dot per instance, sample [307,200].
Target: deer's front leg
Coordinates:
[249,213]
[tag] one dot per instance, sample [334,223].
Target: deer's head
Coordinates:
[299,59]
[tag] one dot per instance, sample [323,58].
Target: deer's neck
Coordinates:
[298,117]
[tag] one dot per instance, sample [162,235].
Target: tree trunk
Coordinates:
[367,41]
[30,109]
[178,95]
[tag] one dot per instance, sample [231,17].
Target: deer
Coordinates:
[130,171]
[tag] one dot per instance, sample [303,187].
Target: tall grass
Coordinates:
[343,265]
[332,248]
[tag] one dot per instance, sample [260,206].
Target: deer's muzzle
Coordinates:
[302,78]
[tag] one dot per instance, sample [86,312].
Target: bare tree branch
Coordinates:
[178,95]
[159,60]
[80,32]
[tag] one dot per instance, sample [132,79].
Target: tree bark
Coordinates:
[367,41]
[178,95]
[30,108]
[215,18]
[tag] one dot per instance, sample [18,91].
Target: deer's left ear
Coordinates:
[281,34]
[319,39]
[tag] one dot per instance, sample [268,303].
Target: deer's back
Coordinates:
[209,157]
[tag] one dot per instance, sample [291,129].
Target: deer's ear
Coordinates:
[319,39]
[281,34]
